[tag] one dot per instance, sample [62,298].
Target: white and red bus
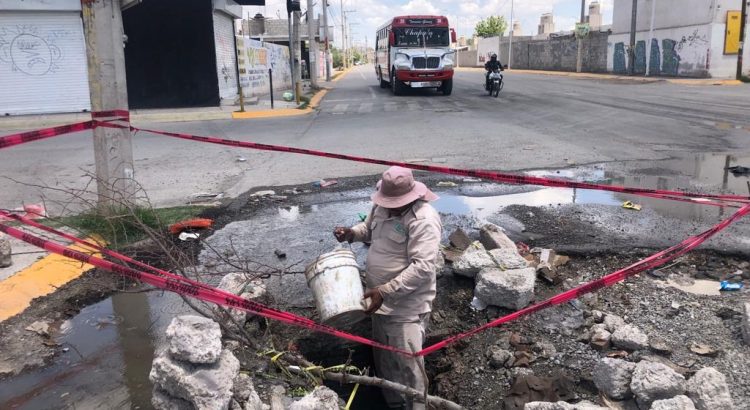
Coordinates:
[415,51]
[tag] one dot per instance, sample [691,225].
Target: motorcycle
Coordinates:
[495,83]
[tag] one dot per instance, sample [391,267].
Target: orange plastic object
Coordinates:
[195,223]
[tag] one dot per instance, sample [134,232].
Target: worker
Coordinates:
[404,233]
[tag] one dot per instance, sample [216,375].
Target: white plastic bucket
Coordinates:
[337,289]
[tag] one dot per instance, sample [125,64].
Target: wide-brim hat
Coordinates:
[398,188]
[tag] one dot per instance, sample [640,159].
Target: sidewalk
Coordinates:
[597,76]
[254,108]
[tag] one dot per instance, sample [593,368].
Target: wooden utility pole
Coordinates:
[113,149]
[327,52]
[297,72]
[312,50]
[343,33]
[743,37]
[633,27]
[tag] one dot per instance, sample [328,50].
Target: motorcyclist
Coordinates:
[491,66]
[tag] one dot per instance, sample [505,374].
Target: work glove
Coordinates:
[343,234]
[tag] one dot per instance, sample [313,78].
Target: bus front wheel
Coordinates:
[447,87]
[396,85]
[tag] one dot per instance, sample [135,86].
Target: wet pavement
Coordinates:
[109,345]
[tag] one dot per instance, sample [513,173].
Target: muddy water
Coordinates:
[110,345]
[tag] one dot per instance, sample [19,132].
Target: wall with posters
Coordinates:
[254,58]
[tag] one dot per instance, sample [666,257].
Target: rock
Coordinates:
[613,322]
[564,319]
[659,345]
[655,381]
[204,386]
[5,253]
[544,349]
[600,337]
[703,349]
[194,339]
[322,398]
[562,405]
[493,237]
[629,337]
[234,282]
[508,258]
[474,259]
[161,400]
[499,357]
[243,390]
[513,289]
[613,377]
[675,403]
[460,240]
[746,322]
[277,398]
[598,316]
[39,327]
[708,389]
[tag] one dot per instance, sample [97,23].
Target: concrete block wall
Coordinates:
[557,54]
[467,58]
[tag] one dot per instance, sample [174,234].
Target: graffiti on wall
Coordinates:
[30,52]
[254,59]
[654,64]
[670,58]
[619,65]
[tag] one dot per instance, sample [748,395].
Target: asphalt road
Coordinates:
[539,121]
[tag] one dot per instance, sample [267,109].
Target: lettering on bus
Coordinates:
[421,21]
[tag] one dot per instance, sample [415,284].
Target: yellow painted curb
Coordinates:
[41,278]
[283,112]
[342,74]
[315,100]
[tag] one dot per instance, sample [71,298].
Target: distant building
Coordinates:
[691,38]
[546,24]
[595,15]
[517,29]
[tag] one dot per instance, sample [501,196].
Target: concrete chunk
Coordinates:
[746,322]
[508,258]
[5,253]
[194,339]
[613,377]
[709,390]
[513,289]
[675,403]
[460,239]
[322,398]
[629,337]
[493,237]
[473,260]
[655,381]
[204,386]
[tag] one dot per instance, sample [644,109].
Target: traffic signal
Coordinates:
[292,5]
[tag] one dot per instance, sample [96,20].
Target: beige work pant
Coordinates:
[398,331]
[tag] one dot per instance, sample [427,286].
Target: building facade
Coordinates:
[690,38]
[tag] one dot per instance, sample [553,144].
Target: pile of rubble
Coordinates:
[503,276]
[197,371]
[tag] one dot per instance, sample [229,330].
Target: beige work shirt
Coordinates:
[403,256]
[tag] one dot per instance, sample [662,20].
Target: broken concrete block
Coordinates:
[243,391]
[508,258]
[709,390]
[655,381]
[513,289]
[5,253]
[613,322]
[474,259]
[194,339]
[493,237]
[613,377]
[600,337]
[500,357]
[204,386]
[746,322]
[562,405]
[322,398]
[161,400]
[675,403]
[459,239]
[629,337]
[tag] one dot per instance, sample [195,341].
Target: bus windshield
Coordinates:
[422,37]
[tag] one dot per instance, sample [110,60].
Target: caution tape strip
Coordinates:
[204,292]
[29,136]
[651,262]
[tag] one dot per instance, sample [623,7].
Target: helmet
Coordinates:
[493,57]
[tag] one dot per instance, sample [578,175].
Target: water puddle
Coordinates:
[697,287]
[108,348]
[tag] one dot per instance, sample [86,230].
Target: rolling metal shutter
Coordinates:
[226,60]
[42,63]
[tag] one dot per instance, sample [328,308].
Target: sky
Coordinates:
[462,15]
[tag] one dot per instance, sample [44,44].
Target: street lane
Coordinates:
[539,121]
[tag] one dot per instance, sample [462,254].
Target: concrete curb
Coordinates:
[595,76]
[284,112]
